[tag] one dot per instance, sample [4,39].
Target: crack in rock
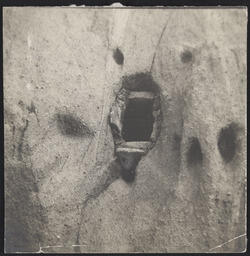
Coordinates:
[218,246]
[106,180]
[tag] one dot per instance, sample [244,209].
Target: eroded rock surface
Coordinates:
[63,68]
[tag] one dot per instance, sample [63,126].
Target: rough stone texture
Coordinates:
[62,71]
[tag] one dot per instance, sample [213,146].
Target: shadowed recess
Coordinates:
[128,163]
[118,56]
[25,217]
[194,154]
[186,56]
[138,120]
[227,142]
[140,82]
[72,126]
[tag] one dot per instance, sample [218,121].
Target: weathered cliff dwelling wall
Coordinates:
[64,188]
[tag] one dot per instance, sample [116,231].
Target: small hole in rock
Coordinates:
[128,176]
[194,155]
[138,120]
[227,142]
[186,56]
[140,82]
[118,56]
[72,126]
[128,164]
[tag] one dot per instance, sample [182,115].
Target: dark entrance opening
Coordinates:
[138,120]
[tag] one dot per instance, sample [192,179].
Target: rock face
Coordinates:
[64,192]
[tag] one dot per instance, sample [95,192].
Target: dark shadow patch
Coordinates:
[72,126]
[140,82]
[128,164]
[227,142]
[115,131]
[194,154]
[118,56]
[138,120]
[128,176]
[186,56]
[25,217]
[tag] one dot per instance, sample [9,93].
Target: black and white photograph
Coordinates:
[125,129]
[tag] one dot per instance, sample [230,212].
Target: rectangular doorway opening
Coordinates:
[138,120]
